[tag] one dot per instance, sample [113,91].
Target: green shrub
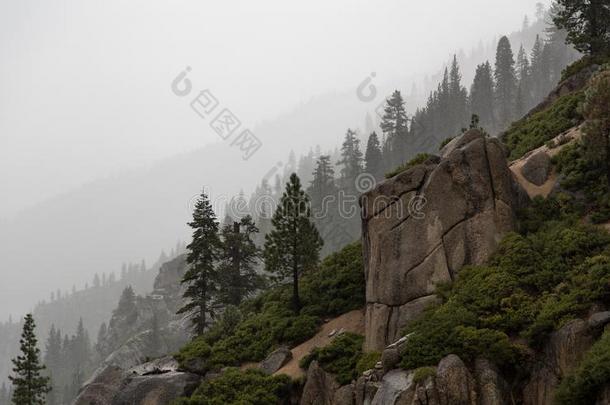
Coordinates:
[585,178]
[583,63]
[266,322]
[340,357]
[535,130]
[417,160]
[583,385]
[532,285]
[196,349]
[423,373]
[235,387]
[367,361]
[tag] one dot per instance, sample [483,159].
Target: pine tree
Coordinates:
[127,305]
[81,347]
[53,363]
[30,385]
[586,22]
[506,82]
[294,244]
[537,76]
[482,100]
[238,258]
[201,279]
[351,160]
[373,158]
[323,183]
[395,128]
[458,100]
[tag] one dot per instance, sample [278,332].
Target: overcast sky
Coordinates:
[85,85]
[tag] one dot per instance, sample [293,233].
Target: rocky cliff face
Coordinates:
[129,342]
[452,382]
[422,226]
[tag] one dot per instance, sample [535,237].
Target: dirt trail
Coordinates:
[350,322]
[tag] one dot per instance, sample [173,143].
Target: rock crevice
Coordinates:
[466,201]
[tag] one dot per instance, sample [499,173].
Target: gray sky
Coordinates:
[85,84]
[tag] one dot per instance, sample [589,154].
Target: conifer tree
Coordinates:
[201,279]
[586,22]
[351,160]
[323,183]
[395,128]
[458,100]
[373,158]
[30,385]
[238,258]
[293,245]
[482,96]
[506,82]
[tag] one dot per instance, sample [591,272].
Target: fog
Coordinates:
[87,113]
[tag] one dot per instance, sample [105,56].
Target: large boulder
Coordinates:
[320,387]
[154,383]
[275,360]
[537,168]
[423,225]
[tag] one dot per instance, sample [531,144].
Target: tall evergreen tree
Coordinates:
[30,385]
[351,160]
[394,125]
[586,22]
[322,185]
[53,363]
[373,160]
[482,96]
[293,245]
[201,279]
[458,100]
[238,258]
[506,82]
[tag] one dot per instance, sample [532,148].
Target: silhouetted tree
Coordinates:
[30,385]
[294,244]
[238,258]
[201,279]
[373,158]
[506,82]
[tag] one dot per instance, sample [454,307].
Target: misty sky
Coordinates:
[85,84]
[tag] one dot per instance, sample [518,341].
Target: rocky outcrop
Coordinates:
[452,384]
[319,388]
[275,360]
[154,383]
[562,354]
[537,168]
[422,226]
